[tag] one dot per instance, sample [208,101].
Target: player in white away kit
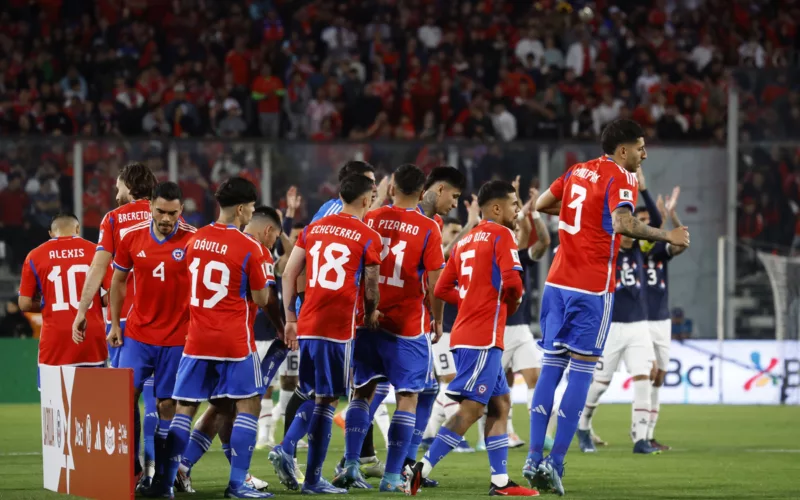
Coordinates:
[628,338]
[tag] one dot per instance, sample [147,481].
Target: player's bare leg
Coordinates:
[655,406]
[265,420]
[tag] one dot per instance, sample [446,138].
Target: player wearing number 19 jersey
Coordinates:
[56,270]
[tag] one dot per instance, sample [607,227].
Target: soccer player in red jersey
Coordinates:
[599,198]
[398,351]
[339,252]
[134,187]
[55,270]
[483,278]
[158,322]
[220,363]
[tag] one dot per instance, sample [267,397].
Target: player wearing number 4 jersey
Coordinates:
[220,363]
[338,251]
[159,319]
[599,197]
[55,271]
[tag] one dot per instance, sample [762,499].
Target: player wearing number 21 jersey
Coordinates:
[56,270]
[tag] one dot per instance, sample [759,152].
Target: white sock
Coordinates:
[530,398]
[426,467]
[280,411]
[482,429]
[383,420]
[436,420]
[510,424]
[596,390]
[265,419]
[640,414]
[655,405]
[500,480]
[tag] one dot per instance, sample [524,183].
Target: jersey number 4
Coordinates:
[320,274]
[578,195]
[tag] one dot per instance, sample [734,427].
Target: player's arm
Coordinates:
[119,288]
[473,217]
[273,311]
[671,208]
[28,288]
[94,278]
[624,222]
[434,263]
[372,295]
[382,192]
[510,267]
[295,266]
[548,203]
[538,249]
[447,284]
[649,203]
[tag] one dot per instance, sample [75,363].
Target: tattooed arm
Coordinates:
[372,296]
[626,224]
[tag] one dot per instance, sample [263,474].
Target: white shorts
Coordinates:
[661,335]
[443,362]
[629,342]
[520,349]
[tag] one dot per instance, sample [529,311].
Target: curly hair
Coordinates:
[139,179]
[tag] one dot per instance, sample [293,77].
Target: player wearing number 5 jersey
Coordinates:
[599,197]
[220,363]
[55,271]
[338,252]
[156,329]
[398,351]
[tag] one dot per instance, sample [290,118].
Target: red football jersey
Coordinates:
[588,245]
[57,269]
[269,269]
[160,312]
[224,264]
[337,249]
[485,265]
[114,222]
[411,245]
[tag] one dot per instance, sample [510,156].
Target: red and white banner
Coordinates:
[87,431]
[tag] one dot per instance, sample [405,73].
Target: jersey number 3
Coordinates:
[578,195]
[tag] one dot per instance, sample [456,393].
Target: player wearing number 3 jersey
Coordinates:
[595,202]
[56,270]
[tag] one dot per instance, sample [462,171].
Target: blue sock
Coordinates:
[319,437]
[497,449]
[177,440]
[161,445]
[299,427]
[425,402]
[444,443]
[226,449]
[578,382]
[243,442]
[381,391]
[401,432]
[150,422]
[137,437]
[355,430]
[553,366]
[199,443]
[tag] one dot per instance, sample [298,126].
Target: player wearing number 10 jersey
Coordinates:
[56,270]
[220,363]
[599,197]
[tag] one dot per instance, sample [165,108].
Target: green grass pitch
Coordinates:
[720,452]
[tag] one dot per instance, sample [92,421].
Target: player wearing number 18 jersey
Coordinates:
[56,270]
[598,201]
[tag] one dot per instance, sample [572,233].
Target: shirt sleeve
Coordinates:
[106,240]
[372,252]
[29,284]
[256,272]
[269,268]
[447,284]
[507,258]
[622,191]
[433,255]
[122,257]
[301,240]
[557,187]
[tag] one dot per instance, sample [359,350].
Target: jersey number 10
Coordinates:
[72,286]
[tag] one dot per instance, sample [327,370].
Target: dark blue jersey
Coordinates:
[630,297]
[656,259]
[450,313]
[522,316]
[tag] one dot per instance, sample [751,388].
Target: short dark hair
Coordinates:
[409,179]
[235,191]
[621,131]
[640,210]
[451,220]
[450,175]
[63,215]
[494,190]
[355,186]
[168,191]
[268,213]
[139,180]
[355,167]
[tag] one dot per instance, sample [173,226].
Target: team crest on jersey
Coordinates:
[178,254]
[481,389]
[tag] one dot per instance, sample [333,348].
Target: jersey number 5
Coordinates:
[220,288]
[466,273]
[319,274]
[578,195]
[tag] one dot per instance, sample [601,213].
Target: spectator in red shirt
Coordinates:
[751,224]
[238,62]
[13,224]
[268,92]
